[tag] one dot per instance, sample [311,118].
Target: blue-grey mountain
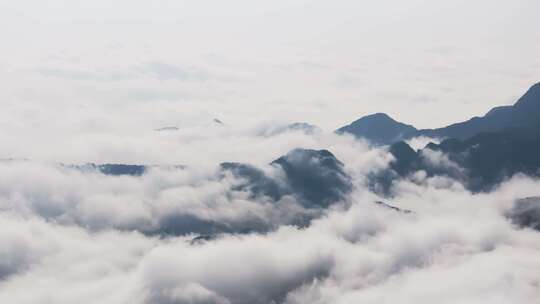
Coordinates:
[381,129]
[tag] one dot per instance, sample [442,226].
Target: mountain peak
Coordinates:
[530,98]
[317,175]
[377,116]
[379,128]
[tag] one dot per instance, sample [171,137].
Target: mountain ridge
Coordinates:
[380,128]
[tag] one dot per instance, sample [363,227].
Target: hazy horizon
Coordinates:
[148,155]
[344,60]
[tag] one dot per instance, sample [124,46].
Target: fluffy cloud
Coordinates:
[201,197]
[212,219]
[83,236]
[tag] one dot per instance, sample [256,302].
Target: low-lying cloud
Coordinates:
[303,228]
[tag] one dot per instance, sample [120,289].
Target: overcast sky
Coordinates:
[104,66]
[95,80]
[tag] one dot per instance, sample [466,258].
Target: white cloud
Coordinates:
[92,82]
[67,235]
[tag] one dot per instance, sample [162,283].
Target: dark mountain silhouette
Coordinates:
[112,169]
[120,169]
[525,112]
[254,181]
[491,157]
[315,177]
[486,159]
[406,159]
[381,129]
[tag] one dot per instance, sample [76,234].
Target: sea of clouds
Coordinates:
[94,81]
[189,234]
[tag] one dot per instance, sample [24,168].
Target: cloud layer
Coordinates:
[232,212]
[80,235]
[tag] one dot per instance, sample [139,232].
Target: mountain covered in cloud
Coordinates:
[299,127]
[112,169]
[316,175]
[254,218]
[480,154]
[381,129]
[480,163]
[121,169]
[185,152]
[252,234]
[293,190]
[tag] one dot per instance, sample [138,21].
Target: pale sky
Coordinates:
[96,80]
[108,66]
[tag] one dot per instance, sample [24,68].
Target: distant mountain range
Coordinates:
[480,152]
[120,169]
[479,163]
[381,129]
